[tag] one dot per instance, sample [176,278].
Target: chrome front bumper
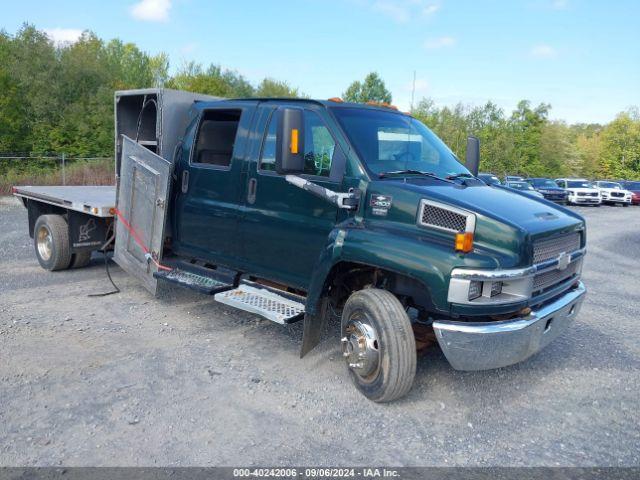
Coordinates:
[487,345]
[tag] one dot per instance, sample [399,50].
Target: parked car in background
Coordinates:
[634,188]
[580,191]
[524,187]
[489,178]
[613,193]
[513,178]
[549,189]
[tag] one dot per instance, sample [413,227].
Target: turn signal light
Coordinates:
[294,140]
[464,242]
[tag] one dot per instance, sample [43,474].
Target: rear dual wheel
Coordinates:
[51,242]
[378,344]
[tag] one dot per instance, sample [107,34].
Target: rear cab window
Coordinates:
[216,138]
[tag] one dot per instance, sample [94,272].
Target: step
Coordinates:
[270,303]
[195,277]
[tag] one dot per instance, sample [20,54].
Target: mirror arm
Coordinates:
[348,201]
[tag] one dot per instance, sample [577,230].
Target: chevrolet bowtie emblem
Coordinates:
[563,261]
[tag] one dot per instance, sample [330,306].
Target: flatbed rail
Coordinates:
[98,201]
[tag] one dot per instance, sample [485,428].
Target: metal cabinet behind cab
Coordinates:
[149,125]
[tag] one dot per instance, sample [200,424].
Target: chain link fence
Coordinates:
[54,169]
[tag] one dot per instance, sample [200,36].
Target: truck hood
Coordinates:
[527,213]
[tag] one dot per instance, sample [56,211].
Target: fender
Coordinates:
[429,263]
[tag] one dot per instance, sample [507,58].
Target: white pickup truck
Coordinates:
[580,191]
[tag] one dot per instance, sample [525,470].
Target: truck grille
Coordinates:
[553,277]
[550,248]
[434,216]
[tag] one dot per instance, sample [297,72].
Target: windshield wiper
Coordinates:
[412,172]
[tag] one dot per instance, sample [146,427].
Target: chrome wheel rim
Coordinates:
[361,347]
[44,243]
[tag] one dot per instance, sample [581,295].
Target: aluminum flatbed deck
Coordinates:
[96,200]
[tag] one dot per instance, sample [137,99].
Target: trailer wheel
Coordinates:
[378,344]
[51,241]
[80,259]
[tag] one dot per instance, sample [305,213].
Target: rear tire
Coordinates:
[378,344]
[51,242]
[80,259]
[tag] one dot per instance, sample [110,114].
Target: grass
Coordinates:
[77,172]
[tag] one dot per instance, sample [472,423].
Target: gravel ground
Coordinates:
[131,380]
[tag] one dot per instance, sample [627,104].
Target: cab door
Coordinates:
[210,185]
[283,227]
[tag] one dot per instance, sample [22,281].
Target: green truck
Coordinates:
[311,210]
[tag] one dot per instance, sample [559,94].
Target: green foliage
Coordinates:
[212,81]
[59,98]
[529,144]
[276,89]
[372,89]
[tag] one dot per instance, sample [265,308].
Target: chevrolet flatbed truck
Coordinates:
[307,210]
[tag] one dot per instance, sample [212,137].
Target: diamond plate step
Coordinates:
[251,297]
[203,280]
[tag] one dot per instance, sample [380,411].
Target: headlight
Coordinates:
[497,287]
[500,287]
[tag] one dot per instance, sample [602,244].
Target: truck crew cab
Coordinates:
[304,209]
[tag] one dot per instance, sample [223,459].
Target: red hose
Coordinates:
[138,240]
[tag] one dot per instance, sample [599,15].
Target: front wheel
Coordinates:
[378,344]
[625,205]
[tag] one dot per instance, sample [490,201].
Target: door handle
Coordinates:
[251,191]
[185,181]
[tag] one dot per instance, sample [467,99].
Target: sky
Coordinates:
[580,56]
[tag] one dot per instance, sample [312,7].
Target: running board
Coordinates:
[203,280]
[270,303]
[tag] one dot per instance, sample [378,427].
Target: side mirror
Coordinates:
[290,143]
[472,161]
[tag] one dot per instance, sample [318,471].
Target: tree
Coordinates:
[213,81]
[620,153]
[274,88]
[527,126]
[372,89]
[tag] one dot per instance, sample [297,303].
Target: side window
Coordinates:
[318,146]
[216,137]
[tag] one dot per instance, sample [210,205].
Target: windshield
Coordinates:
[544,183]
[579,184]
[390,142]
[520,185]
[609,185]
[632,185]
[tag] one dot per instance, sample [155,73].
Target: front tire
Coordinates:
[378,345]
[51,241]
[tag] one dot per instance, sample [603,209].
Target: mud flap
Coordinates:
[142,200]
[314,325]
